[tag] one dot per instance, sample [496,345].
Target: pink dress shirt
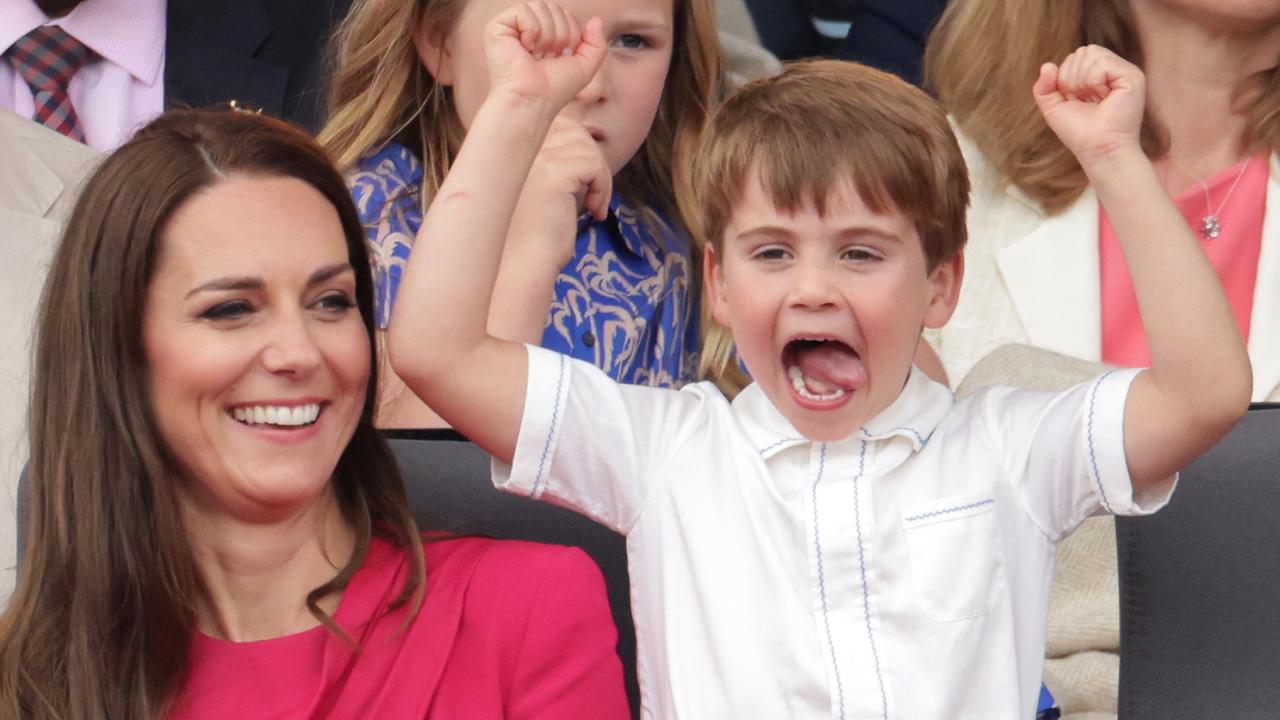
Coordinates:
[1234,254]
[118,90]
[508,630]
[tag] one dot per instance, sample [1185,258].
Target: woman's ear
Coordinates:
[435,57]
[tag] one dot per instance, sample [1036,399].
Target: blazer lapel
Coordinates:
[209,56]
[1264,324]
[1052,277]
[33,190]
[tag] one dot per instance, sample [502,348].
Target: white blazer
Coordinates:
[37,169]
[1034,279]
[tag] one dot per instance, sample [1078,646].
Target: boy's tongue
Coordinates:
[829,366]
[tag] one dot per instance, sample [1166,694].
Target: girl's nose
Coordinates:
[594,91]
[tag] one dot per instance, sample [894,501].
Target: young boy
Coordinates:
[845,539]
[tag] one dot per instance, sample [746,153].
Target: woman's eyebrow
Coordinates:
[229,283]
[328,272]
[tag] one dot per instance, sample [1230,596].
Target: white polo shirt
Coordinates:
[902,572]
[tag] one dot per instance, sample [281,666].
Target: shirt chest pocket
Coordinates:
[954,548]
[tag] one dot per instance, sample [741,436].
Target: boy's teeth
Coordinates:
[797,382]
[277,414]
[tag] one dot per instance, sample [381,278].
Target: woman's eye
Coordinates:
[335,303]
[630,42]
[228,310]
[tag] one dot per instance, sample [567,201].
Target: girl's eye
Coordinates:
[229,310]
[336,303]
[630,42]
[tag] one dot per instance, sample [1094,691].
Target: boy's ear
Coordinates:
[435,57]
[944,289]
[713,281]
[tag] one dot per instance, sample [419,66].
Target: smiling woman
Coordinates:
[217,529]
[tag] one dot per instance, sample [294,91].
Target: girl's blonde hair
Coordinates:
[381,92]
[984,55]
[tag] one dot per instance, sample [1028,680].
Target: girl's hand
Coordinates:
[1094,103]
[569,174]
[536,51]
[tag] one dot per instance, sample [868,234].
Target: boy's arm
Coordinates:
[1200,380]
[438,342]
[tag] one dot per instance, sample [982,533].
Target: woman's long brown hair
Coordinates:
[102,618]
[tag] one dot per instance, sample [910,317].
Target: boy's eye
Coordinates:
[229,310]
[770,253]
[858,254]
[630,42]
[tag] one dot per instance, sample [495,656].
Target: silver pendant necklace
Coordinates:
[1210,225]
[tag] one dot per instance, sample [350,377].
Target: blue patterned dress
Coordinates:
[623,302]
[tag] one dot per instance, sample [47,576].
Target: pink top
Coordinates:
[118,90]
[1234,254]
[507,630]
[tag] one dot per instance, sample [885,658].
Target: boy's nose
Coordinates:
[814,288]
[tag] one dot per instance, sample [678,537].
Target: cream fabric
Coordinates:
[37,168]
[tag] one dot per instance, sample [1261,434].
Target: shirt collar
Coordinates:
[623,220]
[128,33]
[914,415]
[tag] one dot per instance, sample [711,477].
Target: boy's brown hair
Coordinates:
[805,131]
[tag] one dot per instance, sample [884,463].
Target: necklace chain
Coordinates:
[1210,225]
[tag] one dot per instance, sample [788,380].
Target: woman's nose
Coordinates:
[290,349]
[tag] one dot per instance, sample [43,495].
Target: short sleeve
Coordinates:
[568,664]
[1066,454]
[592,444]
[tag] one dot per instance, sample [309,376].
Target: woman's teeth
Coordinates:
[277,415]
[802,388]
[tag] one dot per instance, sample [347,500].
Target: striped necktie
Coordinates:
[47,58]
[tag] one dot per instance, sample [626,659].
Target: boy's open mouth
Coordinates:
[823,369]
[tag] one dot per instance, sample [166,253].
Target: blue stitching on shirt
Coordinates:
[822,585]
[957,508]
[1093,458]
[783,441]
[862,567]
[555,416]
[923,440]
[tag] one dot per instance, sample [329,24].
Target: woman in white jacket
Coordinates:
[1042,268]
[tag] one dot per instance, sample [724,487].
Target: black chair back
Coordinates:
[1200,586]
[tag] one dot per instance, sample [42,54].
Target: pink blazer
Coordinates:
[508,629]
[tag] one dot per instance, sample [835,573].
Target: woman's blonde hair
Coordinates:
[381,92]
[984,55]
